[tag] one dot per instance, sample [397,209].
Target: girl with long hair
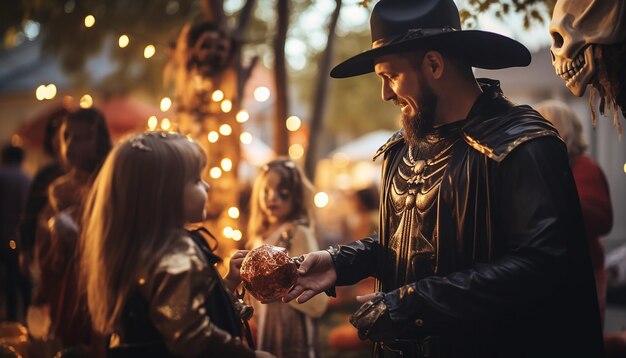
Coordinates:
[280,215]
[150,284]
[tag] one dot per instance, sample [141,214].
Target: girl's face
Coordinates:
[276,202]
[78,144]
[195,197]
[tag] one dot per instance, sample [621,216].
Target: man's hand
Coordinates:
[233,276]
[372,320]
[316,274]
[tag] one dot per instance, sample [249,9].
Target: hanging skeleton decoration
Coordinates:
[204,70]
[589,48]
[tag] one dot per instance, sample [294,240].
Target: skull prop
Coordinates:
[209,49]
[589,47]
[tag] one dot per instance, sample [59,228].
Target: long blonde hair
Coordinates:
[133,209]
[567,123]
[292,179]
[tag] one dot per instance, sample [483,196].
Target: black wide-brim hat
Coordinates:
[408,25]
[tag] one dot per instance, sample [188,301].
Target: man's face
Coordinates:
[403,83]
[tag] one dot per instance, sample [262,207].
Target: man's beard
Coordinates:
[418,125]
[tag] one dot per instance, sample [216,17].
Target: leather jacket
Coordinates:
[181,308]
[513,276]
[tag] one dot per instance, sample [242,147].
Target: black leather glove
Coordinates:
[372,320]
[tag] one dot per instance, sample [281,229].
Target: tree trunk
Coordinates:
[319,106]
[280,79]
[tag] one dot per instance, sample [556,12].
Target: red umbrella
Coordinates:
[126,115]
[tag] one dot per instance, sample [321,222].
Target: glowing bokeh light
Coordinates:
[226,130]
[86,101]
[233,212]
[40,93]
[90,20]
[166,124]
[296,151]
[321,199]
[293,123]
[242,116]
[226,164]
[213,136]
[237,235]
[226,106]
[215,172]
[123,41]
[261,94]
[217,96]
[149,51]
[152,122]
[166,104]
[245,138]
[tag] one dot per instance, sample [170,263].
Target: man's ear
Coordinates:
[434,64]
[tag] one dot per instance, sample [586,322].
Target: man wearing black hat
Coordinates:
[481,250]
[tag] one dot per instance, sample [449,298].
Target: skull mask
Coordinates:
[578,28]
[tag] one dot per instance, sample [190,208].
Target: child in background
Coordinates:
[84,143]
[279,216]
[151,284]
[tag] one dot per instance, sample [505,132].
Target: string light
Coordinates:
[51,91]
[46,92]
[86,101]
[90,20]
[165,124]
[123,41]
[227,106]
[226,129]
[149,51]
[226,164]
[261,94]
[228,232]
[296,151]
[233,212]
[40,93]
[236,235]
[215,172]
[245,138]
[321,199]
[293,123]
[213,136]
[152,122]
[242,116]
[166,103]
[217,96]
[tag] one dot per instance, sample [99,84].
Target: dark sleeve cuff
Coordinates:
[355,261]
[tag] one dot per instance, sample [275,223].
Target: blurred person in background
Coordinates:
[593,189]
[14,185]
[37,198]
[84,143]
[363,220]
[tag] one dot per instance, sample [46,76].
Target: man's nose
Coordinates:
[387,93]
